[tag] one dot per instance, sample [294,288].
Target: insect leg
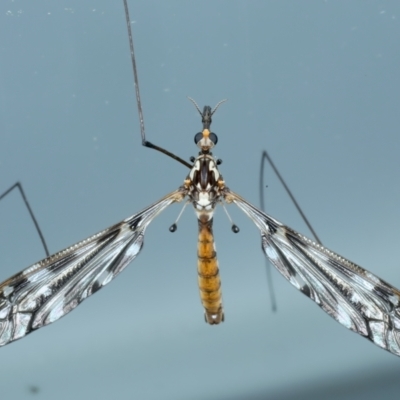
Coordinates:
[18,186]
[139,103]
[288,191]
[265,156]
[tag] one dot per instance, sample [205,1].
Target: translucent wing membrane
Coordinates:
[353,296]
[51,288]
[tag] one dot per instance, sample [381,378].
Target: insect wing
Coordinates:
[356,298]
[51,288]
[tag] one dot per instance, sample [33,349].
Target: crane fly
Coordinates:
[51,288]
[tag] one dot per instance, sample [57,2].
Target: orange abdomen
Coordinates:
[208,274]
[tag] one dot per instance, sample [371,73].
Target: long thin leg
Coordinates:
[24,198]
[139,103]
[264,157]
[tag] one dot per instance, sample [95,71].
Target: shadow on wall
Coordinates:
[372,385]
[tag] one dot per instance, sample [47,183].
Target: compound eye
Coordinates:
[214,138]
[198,137]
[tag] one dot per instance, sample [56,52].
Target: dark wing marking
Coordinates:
[356,298]
[51,288]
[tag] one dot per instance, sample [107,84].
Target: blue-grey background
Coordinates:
[314,82]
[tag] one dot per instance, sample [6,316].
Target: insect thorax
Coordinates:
[204,183]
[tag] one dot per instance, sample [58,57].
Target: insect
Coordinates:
[51,288]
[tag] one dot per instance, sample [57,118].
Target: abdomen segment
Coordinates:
[208,273]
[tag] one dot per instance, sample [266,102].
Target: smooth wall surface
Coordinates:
[316,83]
